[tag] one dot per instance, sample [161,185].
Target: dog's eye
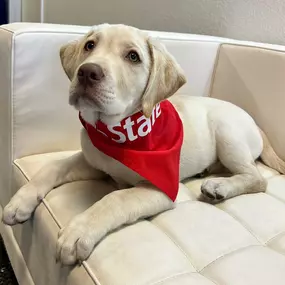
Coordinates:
[133,56]
[90,45]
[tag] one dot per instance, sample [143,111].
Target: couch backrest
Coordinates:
[36,89]
[253,77]
[34,113]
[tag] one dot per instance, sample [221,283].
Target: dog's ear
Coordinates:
[166,77]
[68,57]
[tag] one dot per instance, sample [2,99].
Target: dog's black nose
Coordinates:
[90,74]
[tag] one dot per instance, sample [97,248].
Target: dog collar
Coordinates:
[149,146]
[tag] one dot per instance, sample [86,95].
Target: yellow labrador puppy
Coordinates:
[116,71]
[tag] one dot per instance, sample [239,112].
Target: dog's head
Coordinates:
[116,70]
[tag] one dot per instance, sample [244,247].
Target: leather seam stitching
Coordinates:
[249,230]
[245,226]
[7,30]
[175,243]
[227,254]
[175,276]
[272,195]
[13,120]
[214,73]
[82,33]
[22,171]
[274,237]
[253,47]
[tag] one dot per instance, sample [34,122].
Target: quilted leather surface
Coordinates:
[238,242]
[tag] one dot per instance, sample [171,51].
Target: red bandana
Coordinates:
[151,147]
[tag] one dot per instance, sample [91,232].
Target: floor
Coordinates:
[7,276]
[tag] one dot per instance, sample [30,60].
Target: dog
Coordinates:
[117,71]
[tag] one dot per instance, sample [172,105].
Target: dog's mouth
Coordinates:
[82,100]
[97,99]
[100,101]
[97,108]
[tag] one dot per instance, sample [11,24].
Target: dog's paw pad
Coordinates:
[14,214]
[207,194]
[219,196]
[215,189]
[77,240]
[19,209]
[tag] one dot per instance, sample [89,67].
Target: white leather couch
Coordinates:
[238,242]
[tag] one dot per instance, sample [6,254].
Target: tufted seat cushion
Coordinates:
[237,242]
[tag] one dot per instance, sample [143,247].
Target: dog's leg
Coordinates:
[236,156]
[77,240]
[54,174]
[216,168]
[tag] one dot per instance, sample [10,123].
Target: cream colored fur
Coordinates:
[214,132]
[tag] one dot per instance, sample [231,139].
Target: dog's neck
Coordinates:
[131,129]
[92,117]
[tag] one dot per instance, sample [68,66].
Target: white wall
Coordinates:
[257,20]
[31,10]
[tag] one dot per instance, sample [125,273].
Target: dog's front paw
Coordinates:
[77,240]
[21,206]
[216,189]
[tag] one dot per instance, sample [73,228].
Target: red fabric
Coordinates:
[151,147]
